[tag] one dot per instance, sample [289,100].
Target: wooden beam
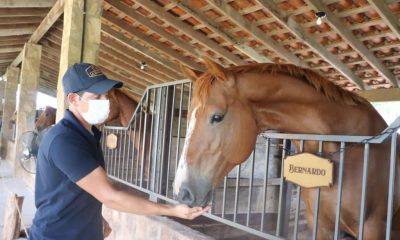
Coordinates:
[19,20]
[54,13]
[255,32]
[131,70]
[151,41]
[386,14]
[139,58]
[381,95]
[23,12]
[311,42]
[118,74]
[229,38]
[136,16]
[187,29]
[10,50]
[134,66]
[139,48]
[6,32]
[357,45]
[26,3]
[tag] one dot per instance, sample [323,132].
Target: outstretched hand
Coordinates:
[186,212]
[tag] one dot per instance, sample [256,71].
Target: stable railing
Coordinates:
[254,199]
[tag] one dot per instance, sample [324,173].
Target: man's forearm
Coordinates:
[127,202]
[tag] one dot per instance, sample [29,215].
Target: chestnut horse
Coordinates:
[231,106]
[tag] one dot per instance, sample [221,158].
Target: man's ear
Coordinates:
[72,98]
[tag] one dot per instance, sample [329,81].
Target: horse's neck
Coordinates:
[292,106]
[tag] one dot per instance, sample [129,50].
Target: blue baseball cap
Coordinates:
[88,78]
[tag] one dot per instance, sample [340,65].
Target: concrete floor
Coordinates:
[9,184]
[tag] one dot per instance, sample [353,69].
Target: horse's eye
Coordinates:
[216,118]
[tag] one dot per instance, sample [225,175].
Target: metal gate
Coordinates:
[254,199]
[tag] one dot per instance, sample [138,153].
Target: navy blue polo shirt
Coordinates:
[68,152]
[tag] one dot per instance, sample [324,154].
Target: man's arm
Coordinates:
[99,186]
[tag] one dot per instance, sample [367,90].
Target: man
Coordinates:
[71,183]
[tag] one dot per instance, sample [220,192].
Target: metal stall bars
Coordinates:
[256,200]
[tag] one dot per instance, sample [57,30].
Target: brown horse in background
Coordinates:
[46,119]
[231,106]
[122,108]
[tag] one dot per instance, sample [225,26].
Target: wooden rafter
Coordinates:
[242,47]
[26,3]
[154,67]
[256,33]
[131,69]
[134,64]
[153,27]
[150,41]
[23,12]
[299,32]
[390,19]
[139,48]
[337,24]
[188,30]
[54,13]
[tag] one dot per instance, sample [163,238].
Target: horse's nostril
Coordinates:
[185,196]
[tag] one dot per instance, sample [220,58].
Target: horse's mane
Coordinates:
[332,91]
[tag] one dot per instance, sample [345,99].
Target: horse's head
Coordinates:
[114,106]
[221,134]
[46,119]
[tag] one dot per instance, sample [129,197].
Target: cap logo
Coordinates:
[93,71]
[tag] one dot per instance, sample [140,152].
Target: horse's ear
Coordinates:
[215,69]
[190,73]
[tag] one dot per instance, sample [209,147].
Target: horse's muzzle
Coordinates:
[187,196]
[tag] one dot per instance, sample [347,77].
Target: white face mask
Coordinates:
[98,111]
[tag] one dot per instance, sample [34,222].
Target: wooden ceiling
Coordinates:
[357,46]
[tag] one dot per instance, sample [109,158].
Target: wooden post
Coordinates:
[29,81]
[12,76]
[81,39]
[12,217]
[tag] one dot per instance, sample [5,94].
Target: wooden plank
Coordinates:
[12,43]
[229,38]
[187,29]
[134,65]
[288,22]
[48,21]
[54,13]
[117,74]
[357,45]
[26,3]
[11,50]
[386,14]
[17,31]
[12,218]
[19,20]
[151,41]
[135,56]
[255,32]
[23,12]
[381,95]
[138,48]
[132,13]
[131,70]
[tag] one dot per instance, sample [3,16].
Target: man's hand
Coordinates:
[186,212]
[106,229]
